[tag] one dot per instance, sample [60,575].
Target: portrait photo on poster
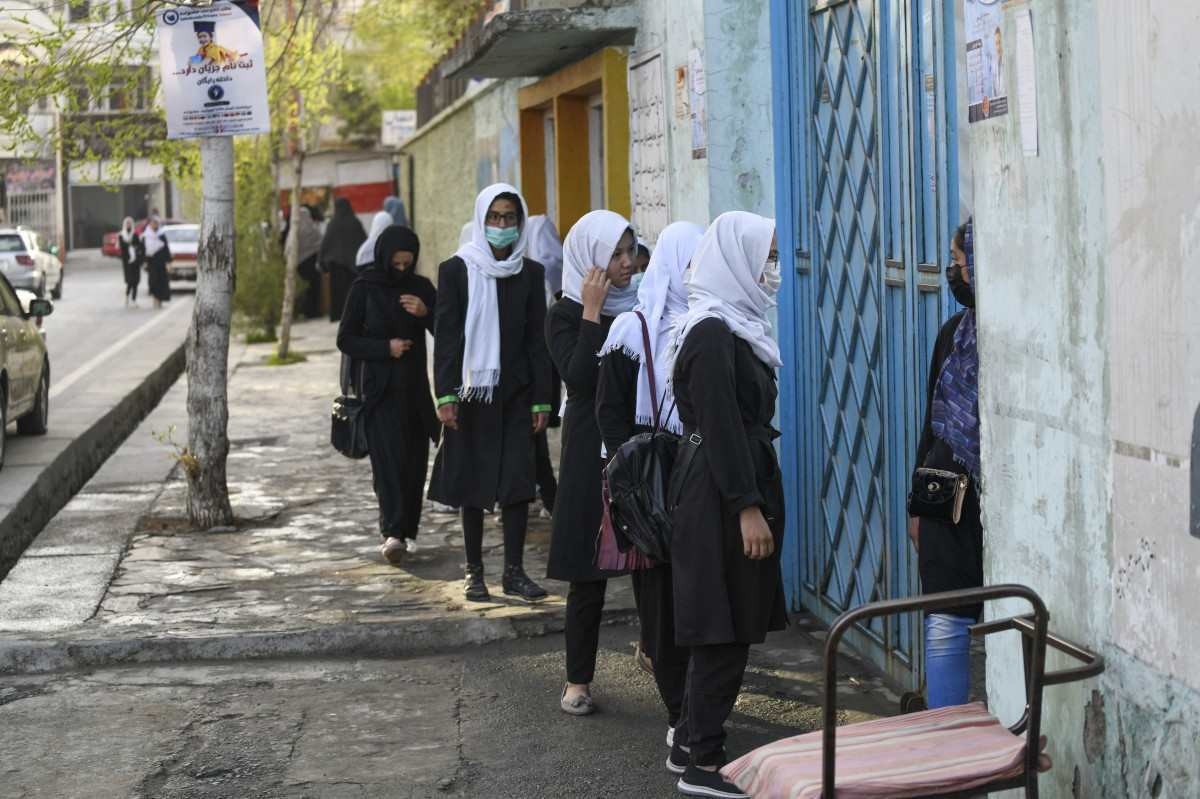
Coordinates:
[987,90]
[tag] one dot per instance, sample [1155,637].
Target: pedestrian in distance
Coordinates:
[625,407]
[388,311]
[130,245]
[394,207]
[726,489]
[597,267]
[158,255]
[950,555]
[492,380]
[366,251]
[309,243]
[338,253]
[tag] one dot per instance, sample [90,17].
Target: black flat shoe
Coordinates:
[517,583]
[474,588]
[677,761]
[698,782]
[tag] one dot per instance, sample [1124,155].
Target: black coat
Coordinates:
[490,458]
[373,316]
[950,557]
[574,344]
[727,395]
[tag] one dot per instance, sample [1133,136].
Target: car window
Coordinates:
[9,304]
[11,242]
[181,234]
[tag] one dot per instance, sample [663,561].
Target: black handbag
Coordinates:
[937,494]
[348,423]
[639,476]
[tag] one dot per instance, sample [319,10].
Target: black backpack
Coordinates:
[639,474]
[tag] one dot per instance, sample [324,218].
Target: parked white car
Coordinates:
[24,364]
[183,241]
[28,263]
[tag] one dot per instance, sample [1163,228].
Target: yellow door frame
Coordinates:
[565,94]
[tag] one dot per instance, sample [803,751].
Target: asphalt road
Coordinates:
[91,325]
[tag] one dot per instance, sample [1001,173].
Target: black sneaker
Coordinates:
[698,782]
[517,583]
[475,588]
[677,761]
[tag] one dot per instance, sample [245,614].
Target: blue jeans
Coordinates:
[947,659]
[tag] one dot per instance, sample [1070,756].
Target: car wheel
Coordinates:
[57,293]
[37,421]
[3,424]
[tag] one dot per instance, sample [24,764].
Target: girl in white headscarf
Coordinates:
[130,244]
[366,253]
[492,382]
[728,518]
[625,406]
[158,254]
[597,268]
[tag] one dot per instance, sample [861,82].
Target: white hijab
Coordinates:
[481,353]
[366,253]
[590,244]
[726,268]
[662,298]
[546,248]
[127,230]
[151,239]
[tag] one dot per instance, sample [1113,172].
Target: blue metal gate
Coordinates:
[866,194]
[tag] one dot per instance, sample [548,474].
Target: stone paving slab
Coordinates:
[301,572]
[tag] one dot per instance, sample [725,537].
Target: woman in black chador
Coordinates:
[625,406]
[726,489]
[158,255]
[388,311]
[339,248]
[597,268]
[492,377]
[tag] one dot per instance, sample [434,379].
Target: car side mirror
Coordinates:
[39,308]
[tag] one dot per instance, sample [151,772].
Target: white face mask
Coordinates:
[771,278]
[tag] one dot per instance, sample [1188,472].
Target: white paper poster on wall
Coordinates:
[986,90]
[213,73]
[1027,83]
[697,104]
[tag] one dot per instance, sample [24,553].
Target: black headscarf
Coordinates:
[392,240]
[343,236]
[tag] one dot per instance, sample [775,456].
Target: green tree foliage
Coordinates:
[259,289]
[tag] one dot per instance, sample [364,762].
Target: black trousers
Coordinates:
[133,276]
[585,608]
[309,300]
[399,451]
[713,682]
[546,483]
[655,596]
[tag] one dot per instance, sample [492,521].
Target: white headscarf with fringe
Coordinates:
[481,353]
[726,268]
[662,298]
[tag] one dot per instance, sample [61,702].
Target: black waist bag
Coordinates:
[638,478]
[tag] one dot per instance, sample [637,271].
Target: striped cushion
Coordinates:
[937,751]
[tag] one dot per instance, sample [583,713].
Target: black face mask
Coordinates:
[962,292]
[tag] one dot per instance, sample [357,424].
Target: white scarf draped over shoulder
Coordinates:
[724,284]
[481,352]
[589,245]
[662,298]
[366,253]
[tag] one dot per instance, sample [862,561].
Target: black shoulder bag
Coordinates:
[348,429]
[639,475]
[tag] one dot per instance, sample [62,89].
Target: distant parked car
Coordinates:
[183,241]
[28,264]
[24,364]
[109,244]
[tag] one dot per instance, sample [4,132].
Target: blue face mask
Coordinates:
[501,237]
[636,280]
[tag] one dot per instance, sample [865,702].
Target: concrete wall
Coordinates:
[472,144]
[1090,353]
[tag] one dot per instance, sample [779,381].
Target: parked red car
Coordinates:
[110,247]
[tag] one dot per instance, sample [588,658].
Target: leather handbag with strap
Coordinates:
[348,424]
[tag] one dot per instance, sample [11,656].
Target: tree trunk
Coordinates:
[292,255]
[208,343]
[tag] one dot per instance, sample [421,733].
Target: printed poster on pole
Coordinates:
[213,72]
